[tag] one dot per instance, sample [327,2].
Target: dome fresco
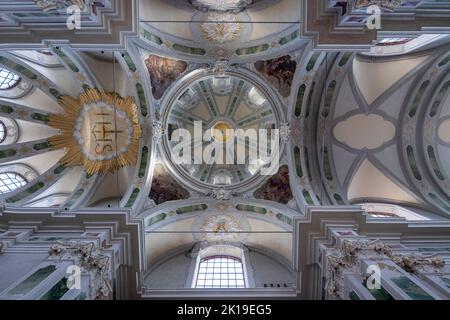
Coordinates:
[222,104]
[224,148]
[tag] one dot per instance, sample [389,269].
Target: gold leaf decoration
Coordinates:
[99,131]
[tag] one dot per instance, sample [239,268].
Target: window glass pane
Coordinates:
[220,272]
[10,181]
[7,79]
[33,280]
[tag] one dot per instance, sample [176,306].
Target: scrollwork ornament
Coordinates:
[285,132]
[220,67]
[221,194]
[91,262]
[157,131]
[349,258]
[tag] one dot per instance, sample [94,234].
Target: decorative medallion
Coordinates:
[221,227]
[220,28]
[99,131]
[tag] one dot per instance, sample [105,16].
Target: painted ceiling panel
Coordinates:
[444,157]
[62,76]
[41,162]
[370,182]
[394,103]
[201,111]
[64,185]
[37,99]
[34,131]
[343,160]
[157,10]
[390,159]
[444,131]
[222,102]
[346,101]
[445,111]
[364,131]
[373,79]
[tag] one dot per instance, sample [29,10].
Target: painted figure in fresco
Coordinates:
[165,188]
[280,72]
[277,188]
[163,72]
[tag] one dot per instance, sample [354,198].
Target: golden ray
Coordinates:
[66,124]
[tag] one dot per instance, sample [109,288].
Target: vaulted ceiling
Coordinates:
[353,138]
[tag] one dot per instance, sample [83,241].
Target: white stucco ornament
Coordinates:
[285,132]
[220,28]
[157,131]
[221,5]
[230,227]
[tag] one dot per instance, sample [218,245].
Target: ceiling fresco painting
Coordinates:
[163,72]
[165,188]
[277,188]
[279,72]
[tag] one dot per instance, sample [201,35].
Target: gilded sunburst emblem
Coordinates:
[99,131]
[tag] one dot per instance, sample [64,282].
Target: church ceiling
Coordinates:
[344,136]
[134,125]
[370,131]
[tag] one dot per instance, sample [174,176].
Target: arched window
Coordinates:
[8,79]
[3,132]
[10,181]
[220,272]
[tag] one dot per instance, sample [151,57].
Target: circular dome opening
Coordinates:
[217,128]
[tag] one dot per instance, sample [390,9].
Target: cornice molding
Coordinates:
[114,26]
